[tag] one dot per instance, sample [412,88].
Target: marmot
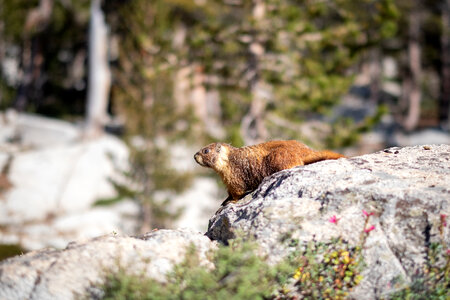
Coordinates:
[243,169]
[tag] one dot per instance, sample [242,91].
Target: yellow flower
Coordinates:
[345,253]
[346,259]
[297,274]
[358,278]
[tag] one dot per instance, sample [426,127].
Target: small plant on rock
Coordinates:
[327,270]
[433,281]
[238,274]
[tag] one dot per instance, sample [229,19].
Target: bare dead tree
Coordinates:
[99,72]
[253,129]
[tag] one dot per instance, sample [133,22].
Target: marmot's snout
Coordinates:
[198,158]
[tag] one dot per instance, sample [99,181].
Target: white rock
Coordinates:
[40,132]
[200,201]
[63,179]
[56,178]
[77,271]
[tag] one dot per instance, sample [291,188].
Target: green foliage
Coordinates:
[9,250]
[238,274]
[307,52]
[317,270]
[7,94]
[433,282]
[46,55]
[308,49]
[327,270]
[14,13]
[344,132]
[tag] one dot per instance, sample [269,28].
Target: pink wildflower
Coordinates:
[444,220]
[333,219]
[367,214]
[367,230]
[448,252]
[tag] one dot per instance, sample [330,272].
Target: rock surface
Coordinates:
[407,189]
[52,177]
[80,269]
[426,136]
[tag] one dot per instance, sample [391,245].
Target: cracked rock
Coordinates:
[407,189]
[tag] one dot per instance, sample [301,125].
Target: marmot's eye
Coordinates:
[205,151]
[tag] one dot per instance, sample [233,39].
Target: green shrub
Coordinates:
[326,270]
[319,270]
[433,282]
[238,274]
[313,270]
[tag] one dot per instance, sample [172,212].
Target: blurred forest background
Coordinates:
[188,72]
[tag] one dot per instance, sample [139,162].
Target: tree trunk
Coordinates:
[414,94]
[253,129]
[32,58]
[99,72]
[2,49]
[444,103]
[375,75]
[147,213]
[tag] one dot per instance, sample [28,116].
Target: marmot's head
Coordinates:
[212,156]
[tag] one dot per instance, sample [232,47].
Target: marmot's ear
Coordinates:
[218,146]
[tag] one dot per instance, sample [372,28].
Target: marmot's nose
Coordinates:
[198,158]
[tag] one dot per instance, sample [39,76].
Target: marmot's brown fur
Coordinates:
[243,169]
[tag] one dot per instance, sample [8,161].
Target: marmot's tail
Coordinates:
[327,154]
[321,155]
